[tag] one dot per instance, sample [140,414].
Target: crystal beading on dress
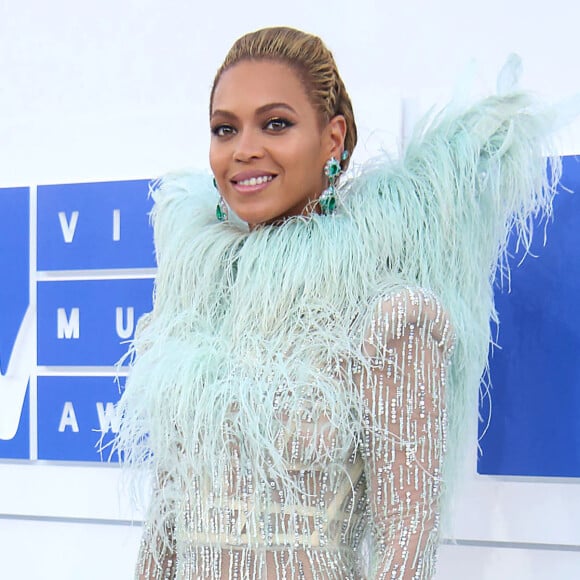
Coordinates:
[301,391]
[390,476]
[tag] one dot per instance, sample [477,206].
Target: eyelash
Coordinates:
[218,130]
[286,124]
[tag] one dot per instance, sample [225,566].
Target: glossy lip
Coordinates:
[243,175]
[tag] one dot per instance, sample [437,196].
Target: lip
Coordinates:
[243,175]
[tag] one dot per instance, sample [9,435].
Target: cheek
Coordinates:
[216,159]
[315,165]
[305,160]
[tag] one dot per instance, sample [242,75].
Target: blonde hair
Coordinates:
[307,55]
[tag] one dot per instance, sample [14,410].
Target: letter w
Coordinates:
[108,417]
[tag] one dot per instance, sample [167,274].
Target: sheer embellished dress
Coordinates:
[386,480]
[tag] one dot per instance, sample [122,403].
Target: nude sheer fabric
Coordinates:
[370,513]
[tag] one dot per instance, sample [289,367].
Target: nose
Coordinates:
[248,146]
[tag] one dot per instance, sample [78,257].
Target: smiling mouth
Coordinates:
[255,180]
[254,184]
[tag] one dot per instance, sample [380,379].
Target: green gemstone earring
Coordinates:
[332,170]
[221,209]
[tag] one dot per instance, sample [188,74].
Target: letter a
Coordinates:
[68,228]
[68,418]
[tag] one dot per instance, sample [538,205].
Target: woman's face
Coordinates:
[268,148]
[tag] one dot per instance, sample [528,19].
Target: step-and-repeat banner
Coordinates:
[92,279]
[90,267]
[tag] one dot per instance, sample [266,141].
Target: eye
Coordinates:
[278,124]
[223,130]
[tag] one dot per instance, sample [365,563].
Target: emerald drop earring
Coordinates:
[332,170]
[221,210]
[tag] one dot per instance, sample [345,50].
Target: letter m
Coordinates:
[68,326]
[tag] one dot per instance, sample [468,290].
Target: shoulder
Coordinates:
[396,315]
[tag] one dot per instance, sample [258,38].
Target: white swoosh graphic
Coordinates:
[13,384]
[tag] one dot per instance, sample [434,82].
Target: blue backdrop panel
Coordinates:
[14,300]
[535,418]
[19,446]
[14,266]
[95,226]
[89,322]
[72,414]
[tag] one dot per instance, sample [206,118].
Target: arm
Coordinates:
[156,560]
[407,345]
[157,553]
[441,218]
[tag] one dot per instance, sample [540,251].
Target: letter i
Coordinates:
[116,225]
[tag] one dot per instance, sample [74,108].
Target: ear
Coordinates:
[336,131]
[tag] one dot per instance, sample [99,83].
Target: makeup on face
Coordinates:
[267,148]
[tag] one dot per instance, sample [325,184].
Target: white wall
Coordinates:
[118,89]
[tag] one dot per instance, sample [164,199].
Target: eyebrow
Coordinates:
[259,111]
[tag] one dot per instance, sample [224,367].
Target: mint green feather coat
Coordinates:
[259,333]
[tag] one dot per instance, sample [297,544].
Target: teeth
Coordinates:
[256,180]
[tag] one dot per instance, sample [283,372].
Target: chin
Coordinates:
[255,218]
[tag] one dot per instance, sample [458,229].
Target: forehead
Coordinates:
[249,85]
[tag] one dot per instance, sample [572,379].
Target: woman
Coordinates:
[296,385]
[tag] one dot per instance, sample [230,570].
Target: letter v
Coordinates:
[68,228]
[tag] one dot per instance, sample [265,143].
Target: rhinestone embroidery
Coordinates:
[380,499]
